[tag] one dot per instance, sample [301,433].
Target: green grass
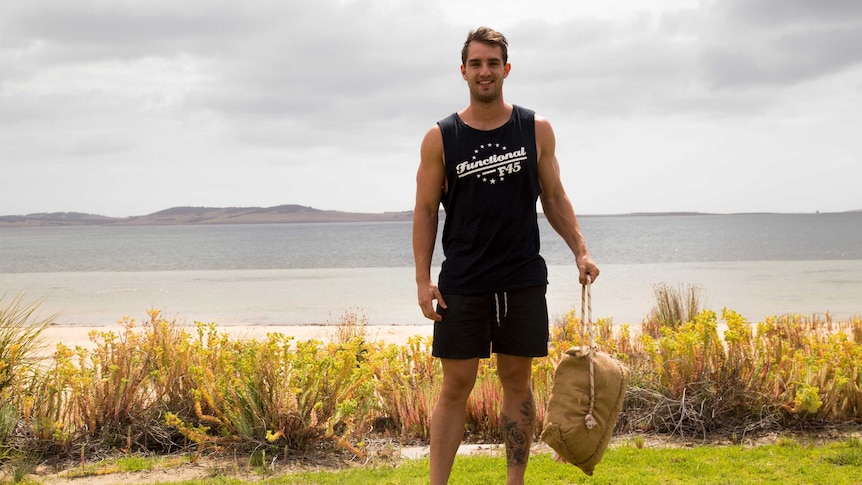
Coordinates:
[787,462]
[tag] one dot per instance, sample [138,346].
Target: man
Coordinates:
[487,165]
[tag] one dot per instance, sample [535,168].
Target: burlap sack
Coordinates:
[566,427]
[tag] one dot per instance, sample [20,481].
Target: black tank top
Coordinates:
[491,234]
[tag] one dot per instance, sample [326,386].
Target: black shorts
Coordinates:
[505,322]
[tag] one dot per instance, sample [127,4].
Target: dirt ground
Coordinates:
[380,453]
[181,468]
[178,468]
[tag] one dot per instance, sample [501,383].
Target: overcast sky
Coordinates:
[125,108]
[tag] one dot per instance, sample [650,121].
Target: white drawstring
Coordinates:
[505,306]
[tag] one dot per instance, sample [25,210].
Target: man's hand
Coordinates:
[586,267]
[427,294]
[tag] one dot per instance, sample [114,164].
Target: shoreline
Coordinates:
[386,296]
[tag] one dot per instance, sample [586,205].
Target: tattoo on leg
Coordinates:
[518,435]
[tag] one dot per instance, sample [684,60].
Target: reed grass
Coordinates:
[353,324]
[673,307]
[21,326]
[20,337]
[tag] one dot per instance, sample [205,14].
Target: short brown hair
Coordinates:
[489,36]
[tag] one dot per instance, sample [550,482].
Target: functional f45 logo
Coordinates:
[492,163]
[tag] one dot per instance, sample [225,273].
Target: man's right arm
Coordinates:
[429,183]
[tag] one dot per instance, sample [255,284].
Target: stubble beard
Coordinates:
[487,97]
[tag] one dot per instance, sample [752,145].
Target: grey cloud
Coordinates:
[332,66]
[337,78]
[779,43]
[98,145]
[779,13]
[725,58]
[325,67]
[99,28]
[603,68]
[159,86]
[785,60]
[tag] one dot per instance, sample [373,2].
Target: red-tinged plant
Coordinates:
[407,384]
[484,404]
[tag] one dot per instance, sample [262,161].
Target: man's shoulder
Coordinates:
[523,109]
[433,135]
[531,113]
[449,120]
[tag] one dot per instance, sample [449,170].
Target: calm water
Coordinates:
[311,273]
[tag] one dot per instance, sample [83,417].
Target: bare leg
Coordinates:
[450,413]
[518,416]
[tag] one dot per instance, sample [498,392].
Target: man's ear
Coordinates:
[464,71]
[506,69]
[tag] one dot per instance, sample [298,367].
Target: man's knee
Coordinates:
[515,373]
[459,377]
[456,391]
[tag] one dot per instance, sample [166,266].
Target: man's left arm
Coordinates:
[556,204]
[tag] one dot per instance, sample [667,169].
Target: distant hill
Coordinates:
[56,219]
[206,215]
[245,215]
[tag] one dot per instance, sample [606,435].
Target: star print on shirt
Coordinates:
[492,163]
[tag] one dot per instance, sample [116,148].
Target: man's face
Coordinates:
[485,71]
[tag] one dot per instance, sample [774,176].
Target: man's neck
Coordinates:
[486,116]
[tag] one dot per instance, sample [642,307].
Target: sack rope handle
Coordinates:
[587,304]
